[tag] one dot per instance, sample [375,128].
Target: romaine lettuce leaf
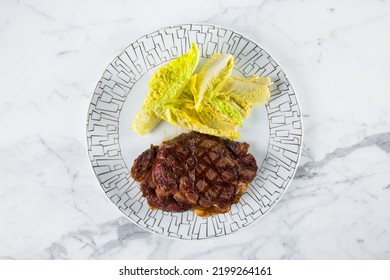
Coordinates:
[253,90]
[213,118]
[166,85]
[211,78]
[189,90]
[184,115]
[227,109]
[242,106]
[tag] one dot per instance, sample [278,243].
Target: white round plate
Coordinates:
[274,131]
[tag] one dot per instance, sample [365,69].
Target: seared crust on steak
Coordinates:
[195,171]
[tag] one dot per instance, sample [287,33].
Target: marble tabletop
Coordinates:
[337,55]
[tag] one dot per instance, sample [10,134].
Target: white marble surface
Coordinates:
[336,53]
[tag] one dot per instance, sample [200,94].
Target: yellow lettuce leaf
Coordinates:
[166,84]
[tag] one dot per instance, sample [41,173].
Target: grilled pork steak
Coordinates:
[195,171]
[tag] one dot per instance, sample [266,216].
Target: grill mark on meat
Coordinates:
[196,172]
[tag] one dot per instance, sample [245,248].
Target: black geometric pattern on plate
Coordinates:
[275,172]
